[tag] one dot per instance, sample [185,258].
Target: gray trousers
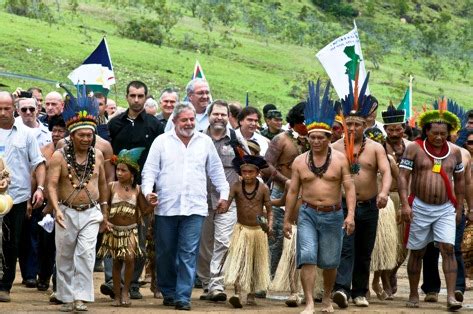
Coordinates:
[217,231]
[75,254]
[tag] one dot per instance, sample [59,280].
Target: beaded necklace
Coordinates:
[83,173]
[249,195]
[300,146]
[319,171]
[355,167]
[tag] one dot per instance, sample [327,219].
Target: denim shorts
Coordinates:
[319,237]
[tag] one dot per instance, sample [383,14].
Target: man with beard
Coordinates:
[366,158]
[282,151]
[178,164]
[217,227]
[436,208]
[78,194]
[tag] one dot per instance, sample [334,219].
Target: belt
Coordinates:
[324,208]
[365,203]
[78,207]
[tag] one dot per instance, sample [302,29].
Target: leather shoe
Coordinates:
[183,306]
[107,289]
[169,302]
[30,283]
[5,296]
[135,293]
[42,286]
[216,296]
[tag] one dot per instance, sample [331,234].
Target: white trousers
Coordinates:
[75,254]
[217,232]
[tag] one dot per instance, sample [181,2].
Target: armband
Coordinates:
[406,164]
[103,203]
[459,168]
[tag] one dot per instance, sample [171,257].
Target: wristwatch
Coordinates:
[40,187]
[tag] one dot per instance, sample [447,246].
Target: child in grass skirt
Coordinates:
[127,204]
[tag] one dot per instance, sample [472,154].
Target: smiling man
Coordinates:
[248,120]
[167,101]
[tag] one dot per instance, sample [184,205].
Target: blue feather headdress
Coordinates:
[460,112]
[357,105]
[319,114]
[80,112]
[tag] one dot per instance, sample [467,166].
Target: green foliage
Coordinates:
[401,7]
[144,29]
[337,8]
[36,9]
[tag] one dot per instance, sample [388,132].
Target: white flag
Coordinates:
[335,57]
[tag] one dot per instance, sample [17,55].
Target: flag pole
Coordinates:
[410,93]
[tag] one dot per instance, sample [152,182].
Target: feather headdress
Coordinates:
[80,112]
[129,157]
[440,114]
[255,161]
[357,104]
[319,113]
[393,115]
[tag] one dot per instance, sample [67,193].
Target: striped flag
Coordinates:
[96,72]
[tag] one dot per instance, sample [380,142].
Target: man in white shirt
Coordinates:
[178,164]
[28,114]
[198,94]
[248,121]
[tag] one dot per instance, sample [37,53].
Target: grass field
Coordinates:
[264,67]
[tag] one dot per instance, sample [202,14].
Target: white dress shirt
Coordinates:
[42,133]
[180,174]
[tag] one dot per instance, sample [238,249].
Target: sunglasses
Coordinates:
[25,109]
[469,142]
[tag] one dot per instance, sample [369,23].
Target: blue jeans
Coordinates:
[430,261]
[319,238]
[354,270]
[177,246]
[276,242]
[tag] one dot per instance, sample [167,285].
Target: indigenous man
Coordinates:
[282,151]
[217,228]
[430,163]
[76,187]
[319,175]
[337,129]
[366,158]
[178,164]
[395,145]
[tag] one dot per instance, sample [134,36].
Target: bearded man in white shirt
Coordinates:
[178,164]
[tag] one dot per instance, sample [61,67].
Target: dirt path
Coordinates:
[31,300]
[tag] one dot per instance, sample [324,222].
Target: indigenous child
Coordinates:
[247,263]
[127,204]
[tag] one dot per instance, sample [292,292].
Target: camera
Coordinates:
[24,94]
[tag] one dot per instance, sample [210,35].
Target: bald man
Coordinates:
[54,105]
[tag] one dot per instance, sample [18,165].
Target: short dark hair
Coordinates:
[32,89]
[136,84]
[100,95]
[218,102]
[296,114]
[234,109]
[267,108]
[428,126]
[469,114]
[248,111]
[56,120]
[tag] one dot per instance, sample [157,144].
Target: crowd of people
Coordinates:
[196,192]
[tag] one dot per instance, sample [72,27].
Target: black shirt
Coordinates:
[140,132]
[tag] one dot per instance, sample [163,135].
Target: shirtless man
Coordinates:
[430,162]
[366,158]
[282,151]
[318,175]
[76,187]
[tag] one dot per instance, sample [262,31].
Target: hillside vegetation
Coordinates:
[265,48]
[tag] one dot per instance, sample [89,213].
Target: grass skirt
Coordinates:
[119,242]
[385,251]
[467,248]
[401,228]
[287,268]
[247,263]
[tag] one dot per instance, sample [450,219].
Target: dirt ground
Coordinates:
[33,301]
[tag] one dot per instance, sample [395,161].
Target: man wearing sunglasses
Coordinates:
[27,109]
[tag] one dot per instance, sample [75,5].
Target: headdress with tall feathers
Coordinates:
[357,104]
[319,113]
[129,157]
[80,112]
[440,114]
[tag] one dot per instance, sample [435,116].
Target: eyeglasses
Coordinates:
[469,142]
[31,109]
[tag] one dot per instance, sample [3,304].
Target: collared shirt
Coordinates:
[227,154]
[161,118]
[179,173]
[258,138]
[22,156]
[140,132]
[201,122]
[42,133]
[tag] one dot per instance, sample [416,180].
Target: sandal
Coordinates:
[453,305]
[80,306]
[66,307]
[412,304]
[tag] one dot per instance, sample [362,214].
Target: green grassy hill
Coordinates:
[269,67]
